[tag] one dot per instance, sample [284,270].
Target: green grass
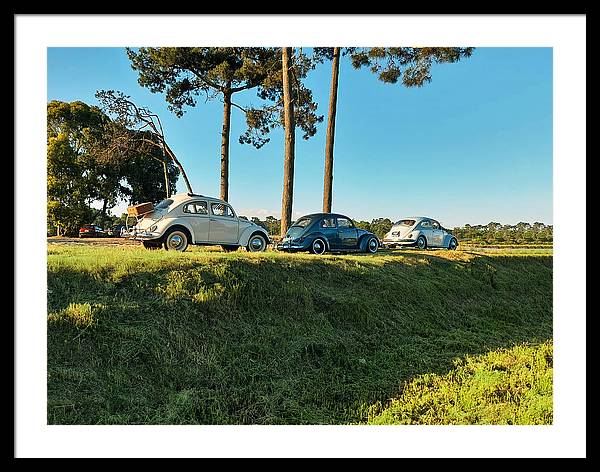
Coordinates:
[507,386]
[206,337]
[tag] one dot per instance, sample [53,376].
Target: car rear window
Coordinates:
[404,223]
[302,222]
[166,203]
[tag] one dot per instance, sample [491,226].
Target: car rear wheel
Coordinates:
[257,243]
[453,244]
[176,240]
[372,245]
[422,242]
[318,246]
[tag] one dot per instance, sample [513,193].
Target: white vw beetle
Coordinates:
[188,218]
[421,232]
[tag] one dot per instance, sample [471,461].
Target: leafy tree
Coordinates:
[410,66]
[184,73]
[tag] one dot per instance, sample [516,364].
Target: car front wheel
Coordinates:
[453,244]
[257,243]
[176,240]
[372,245]
[422,242]
[318,246]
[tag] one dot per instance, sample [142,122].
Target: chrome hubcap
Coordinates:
[175,241]
[318,247]
[373,245]
[256,244]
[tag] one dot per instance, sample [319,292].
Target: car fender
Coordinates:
[166,223]
[249,231]
[362,241]
[317,234]
[447,239]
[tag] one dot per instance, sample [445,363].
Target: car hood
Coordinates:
[151,219]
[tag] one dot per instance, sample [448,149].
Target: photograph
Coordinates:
[357,236]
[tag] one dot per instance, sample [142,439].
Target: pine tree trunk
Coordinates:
[328,181]
[225,146]
[290,128]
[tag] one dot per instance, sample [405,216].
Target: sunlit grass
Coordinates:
[208,337]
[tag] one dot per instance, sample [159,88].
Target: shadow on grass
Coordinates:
[277,340]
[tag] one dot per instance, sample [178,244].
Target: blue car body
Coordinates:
[321,232]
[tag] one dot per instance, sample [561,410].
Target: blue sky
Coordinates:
[472,146]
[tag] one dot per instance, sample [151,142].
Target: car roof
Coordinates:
[416,218]
[182,197]
[323,215]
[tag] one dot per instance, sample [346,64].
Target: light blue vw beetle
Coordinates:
[421,232]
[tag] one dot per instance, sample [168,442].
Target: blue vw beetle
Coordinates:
[321,232]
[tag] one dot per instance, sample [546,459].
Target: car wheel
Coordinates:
[257,243]
[151,245]
[318,246]
[229,248]
[453,244]
[176,240]
[372,245]
[422,242]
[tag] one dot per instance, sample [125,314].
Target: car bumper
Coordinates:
[292,246]
[143,235]
[399,242]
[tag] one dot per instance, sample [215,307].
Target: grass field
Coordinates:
[206,337]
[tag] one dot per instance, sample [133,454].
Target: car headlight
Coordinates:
[152,228]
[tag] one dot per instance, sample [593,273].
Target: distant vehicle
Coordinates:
[91,231]
[116,231]
[187,218]
[421,232]
[321,232]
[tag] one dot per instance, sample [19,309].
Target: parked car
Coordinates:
[91,231]
[321,232]
[116,231]
[189,218]
[421,232]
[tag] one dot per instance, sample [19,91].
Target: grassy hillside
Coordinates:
[206,337]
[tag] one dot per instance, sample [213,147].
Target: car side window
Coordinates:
[344,223]
[435,225]
[197,208]
[328,223]
[220,209]
[425,224]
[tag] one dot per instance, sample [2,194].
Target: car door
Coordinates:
[196,214]
[425,227]
[347,233]
[328,227]
[224,225]
[437,234]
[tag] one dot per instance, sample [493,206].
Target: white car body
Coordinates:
[419,231]
[203,220]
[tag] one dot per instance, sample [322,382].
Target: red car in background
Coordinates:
[91,231]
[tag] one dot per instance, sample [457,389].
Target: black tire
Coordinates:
[372,245]
[318,246]
[151,245]
[421,242]
[176,240]
[257,243]
[229,247]
[453,244]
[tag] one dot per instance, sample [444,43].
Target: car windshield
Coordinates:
[302,222]
[404,223]
[164,204]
